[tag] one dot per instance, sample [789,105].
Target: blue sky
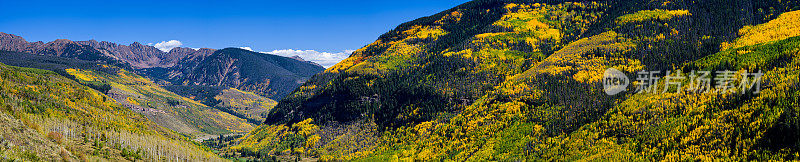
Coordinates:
[325,26]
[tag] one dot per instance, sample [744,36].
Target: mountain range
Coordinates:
[165,89]
[136,55]
[232,67]
[268,75]
[144,56]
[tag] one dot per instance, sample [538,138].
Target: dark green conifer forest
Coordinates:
[488,80]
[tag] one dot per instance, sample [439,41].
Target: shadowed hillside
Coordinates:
[267,75]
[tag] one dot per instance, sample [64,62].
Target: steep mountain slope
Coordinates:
[522,80]
[267,75]
[47,117]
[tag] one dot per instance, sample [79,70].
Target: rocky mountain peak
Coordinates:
[298,58]
[181,50]
[137,54]
[12,42]
[61,41]
[10,36]
[136,44]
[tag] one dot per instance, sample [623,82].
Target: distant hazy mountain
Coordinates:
[298,58]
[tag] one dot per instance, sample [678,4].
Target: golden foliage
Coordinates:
[80,75]
[574,59]
[140,91]
[785,26]
[84,121]
[657,14]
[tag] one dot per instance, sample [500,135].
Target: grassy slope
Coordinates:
[49,117]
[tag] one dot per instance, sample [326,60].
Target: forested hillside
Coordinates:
[197,112]
[245,105]
[137,93]
[164,107]
[522,80]
[267,75]
[264,74]
[47,117]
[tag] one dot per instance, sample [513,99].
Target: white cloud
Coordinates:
[167,45]
[246,48]
[326,59]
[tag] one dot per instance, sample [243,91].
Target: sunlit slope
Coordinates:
[161,106]
[785,26]
[454,57]
[672,126]
[677,126]
[520,80]
[47,117]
